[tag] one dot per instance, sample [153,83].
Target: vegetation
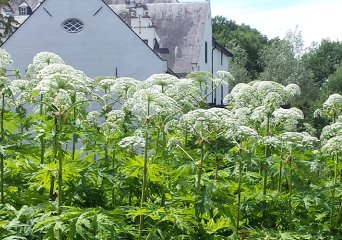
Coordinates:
[110,158]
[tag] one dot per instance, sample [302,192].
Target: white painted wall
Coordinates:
[207,37]
[219,65]
[106,43]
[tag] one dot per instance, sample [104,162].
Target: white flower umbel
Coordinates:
[61,100]
[5,58]
[225,76]
[5,86]
[185,92]
[287,119]
[19,86]
[163,81]
[134,142]
[60,76]
[40,61]
[293,89]
[105,84]
[124,87]
[242,133]
[332,107]
[149,103]
[201,79]
[331,131]
[333,145]
[240,96]
[242,115]
[257,93]
[92,118]
[292,140]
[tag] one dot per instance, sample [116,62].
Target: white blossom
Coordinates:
[185,92]
[242,115]
[125,86]
[331,131]
[162,80]
[226,76]
[150,102]
[60,76]
[293,89]
[61,100]
[40,61]
[5,58]
[333,105]
[19,86]
[333,145]
[92,117]
[106,83]
[132,142]
[242,133]
[287,118]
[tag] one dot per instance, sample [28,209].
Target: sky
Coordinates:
[316,19]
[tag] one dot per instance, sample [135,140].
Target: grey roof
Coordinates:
[111,2]
[180,27]
[16,3]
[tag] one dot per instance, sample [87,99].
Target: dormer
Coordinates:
[25,9]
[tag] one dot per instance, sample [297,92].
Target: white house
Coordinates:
[135,38]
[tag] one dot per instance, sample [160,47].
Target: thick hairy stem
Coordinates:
[2,178]
[55,154]
[113,168]
[290,191]
[200,165]
[239,193]
[106,153]
[332,225]
[216,161]
[42,140]
[2,135]
[144,183]
[280,175]
[265,167]
[60,169]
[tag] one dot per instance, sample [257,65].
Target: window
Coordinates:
[72,25]
[206,52]
[22,10]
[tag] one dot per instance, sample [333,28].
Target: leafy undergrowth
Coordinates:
[110,158]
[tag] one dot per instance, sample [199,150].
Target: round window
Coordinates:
[72,25]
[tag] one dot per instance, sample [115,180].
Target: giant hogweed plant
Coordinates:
[163,165]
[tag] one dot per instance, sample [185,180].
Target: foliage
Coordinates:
[115,158]
[245,39]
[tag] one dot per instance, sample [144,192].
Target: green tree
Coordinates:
[322,59]
[249,39]
[282,62]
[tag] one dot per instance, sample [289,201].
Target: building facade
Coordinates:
[134,38]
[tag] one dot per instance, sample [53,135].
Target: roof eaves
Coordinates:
[218,45]
[22,23]
[131,29]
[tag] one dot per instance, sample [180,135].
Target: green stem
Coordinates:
[239,192]
[265,168]
[290,191]
[280,175]
[106,155]
[334,193]
[60,168]
[199,173]
[113,168]
[216,160]
[144,183]
[1,155]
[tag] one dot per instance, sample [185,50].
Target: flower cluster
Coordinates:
[5,58]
